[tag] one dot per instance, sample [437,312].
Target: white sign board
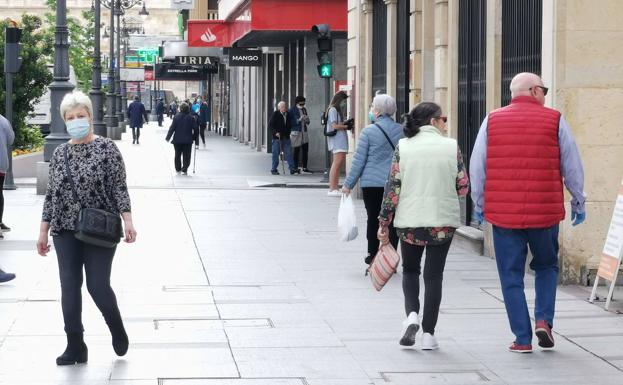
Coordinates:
[182,4]
[132,74]
[142,41]
[613,250]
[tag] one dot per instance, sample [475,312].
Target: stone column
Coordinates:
[441,54]
[392,30]
[494,54]
[365,65]
[416,42]
[453,66]
[428,50]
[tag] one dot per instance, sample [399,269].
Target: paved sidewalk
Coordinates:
[234,284]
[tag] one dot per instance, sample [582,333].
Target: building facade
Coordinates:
[462,54]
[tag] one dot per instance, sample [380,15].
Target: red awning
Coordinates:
[259,22]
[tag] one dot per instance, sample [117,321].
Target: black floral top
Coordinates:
[420,236]
[99,175]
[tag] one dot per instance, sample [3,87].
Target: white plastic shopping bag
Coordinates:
[346,219]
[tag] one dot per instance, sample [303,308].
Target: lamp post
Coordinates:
[114,112]
[97,96]
[61,85]
[130,25]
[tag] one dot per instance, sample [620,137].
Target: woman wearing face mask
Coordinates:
[371,163]
[338,142]
[422,196]
[98,172]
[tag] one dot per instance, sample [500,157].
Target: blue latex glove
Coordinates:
[577,218]
[480,217]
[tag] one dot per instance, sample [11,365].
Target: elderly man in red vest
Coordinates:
[523,154]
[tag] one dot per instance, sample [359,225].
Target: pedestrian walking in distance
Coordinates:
[172,109]
[523,154]
[137,115]
[281,127]
[299,137]
[204,120]
[7,136]
[98,172]
[371,164]
[427,178]
[183,130]
[338,143]
[160,111]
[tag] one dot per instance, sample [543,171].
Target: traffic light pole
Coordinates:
[327,160]
[8,110]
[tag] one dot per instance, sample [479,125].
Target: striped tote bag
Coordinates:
[383,266]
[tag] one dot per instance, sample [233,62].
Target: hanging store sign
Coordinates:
[132,74]
[149,73]
[182,4]
[209,33]
[240,57]
[171,71]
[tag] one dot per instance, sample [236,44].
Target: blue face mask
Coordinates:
[371,117]
[78,128]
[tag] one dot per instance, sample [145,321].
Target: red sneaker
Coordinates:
[516,348]
[544,334]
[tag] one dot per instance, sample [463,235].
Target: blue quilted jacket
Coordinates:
[373,156]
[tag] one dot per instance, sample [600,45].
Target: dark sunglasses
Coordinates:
[444,118]
[545,89]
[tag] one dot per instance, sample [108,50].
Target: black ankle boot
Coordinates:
[120,341]
[76,351]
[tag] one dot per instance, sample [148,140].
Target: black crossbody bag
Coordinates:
[95,226]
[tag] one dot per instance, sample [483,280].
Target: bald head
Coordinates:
[523,84]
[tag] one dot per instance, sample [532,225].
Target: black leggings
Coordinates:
[373,199]
[136,133]
[97,261]
[433,277]
[202,133]
[1,196]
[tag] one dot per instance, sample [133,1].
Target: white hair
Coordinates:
[281,104]
[384,104]
[76,99]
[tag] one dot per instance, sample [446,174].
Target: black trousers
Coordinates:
[301,152]
[433,278]
[1,196]
[74,255]
[182,151]
[136,133]
[373,199]
[202,133]
[160,119]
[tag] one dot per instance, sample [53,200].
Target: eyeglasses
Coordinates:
[545,89]
[444,118]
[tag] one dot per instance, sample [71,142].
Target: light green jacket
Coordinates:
[428,172]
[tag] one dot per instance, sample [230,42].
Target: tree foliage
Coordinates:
[81,40]
[30,82]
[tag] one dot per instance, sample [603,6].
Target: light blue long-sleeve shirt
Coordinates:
[570,167]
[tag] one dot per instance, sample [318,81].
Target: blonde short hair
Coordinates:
[76,99]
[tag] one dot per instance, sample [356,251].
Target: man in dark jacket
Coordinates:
[184,130]
[280,126]
[136,114]
[160,111]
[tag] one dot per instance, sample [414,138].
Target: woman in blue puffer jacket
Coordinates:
[371,164]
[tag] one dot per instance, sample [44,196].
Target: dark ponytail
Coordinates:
[419,116]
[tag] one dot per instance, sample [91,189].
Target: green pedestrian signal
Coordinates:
[325,70]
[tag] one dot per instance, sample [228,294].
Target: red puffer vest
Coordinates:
[523,188]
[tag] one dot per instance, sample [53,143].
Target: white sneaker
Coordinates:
[334,193]
[410,327]
[429,342]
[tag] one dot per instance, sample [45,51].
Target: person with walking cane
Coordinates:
[280,126]
[183,130]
